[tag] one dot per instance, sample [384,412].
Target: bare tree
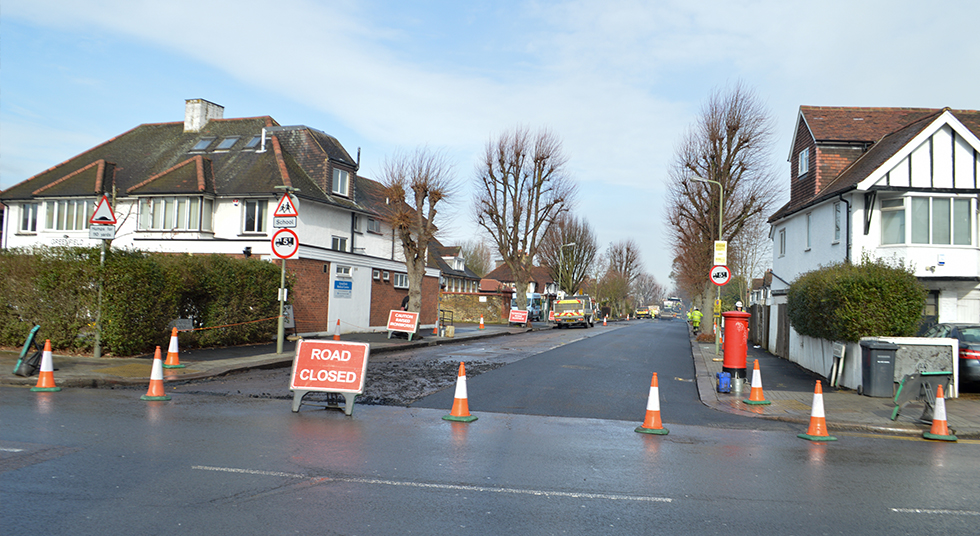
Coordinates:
[646,290]
[415,184]
[522,186]
[478,256]
[624,258]
[569,250]
[751,253]
[729,143]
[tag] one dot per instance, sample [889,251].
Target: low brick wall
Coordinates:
[467,307]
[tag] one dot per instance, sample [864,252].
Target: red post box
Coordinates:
[736,342]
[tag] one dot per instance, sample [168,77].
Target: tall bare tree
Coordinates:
[415,183]
[624,258]
[751,253]
[646,290]
[729,143]
[569,250]
[522,186]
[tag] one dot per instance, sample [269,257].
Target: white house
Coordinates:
[893,183]
[210,185]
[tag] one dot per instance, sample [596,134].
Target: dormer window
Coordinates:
[803,163]
[254,142]
[202,144]
[341,182]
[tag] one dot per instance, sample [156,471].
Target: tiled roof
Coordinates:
[885,130]
[539,274]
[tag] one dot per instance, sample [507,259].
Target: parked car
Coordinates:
[969,337]
[642,312]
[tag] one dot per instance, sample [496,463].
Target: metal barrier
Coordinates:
[921,386]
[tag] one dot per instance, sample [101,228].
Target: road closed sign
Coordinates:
[331,366]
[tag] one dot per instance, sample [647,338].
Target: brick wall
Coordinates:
[385,297]
[310,295]
[467,307]
[831,161]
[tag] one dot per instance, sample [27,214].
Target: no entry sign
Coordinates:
[332,366]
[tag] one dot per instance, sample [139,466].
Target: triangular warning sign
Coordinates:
[286,208]
[103,214]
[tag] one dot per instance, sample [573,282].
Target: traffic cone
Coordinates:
[156,392]
[481,322]
[756,397]
[939,431]
[435,329]
[604,319]
[652,424]
[173,360]
[45,378]
[818,421]
[461,407]
[336,331]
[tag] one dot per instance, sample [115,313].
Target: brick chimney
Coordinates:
[197,113]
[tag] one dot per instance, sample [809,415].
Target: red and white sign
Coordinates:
[103,214]
[404,321]
[285,243]
[286,214]
[334,366]
[517,316]
[720,274]
[551,316]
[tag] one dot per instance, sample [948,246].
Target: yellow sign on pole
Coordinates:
[721,252]
[717,307]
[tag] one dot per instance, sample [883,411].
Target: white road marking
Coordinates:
[935,512]
[452,487]
[11,450]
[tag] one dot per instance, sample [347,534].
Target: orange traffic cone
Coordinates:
[45,379]
[173,360]
[481,322]
[756,397]
[818,421]
[156,392]
[604,319]
[435,329]
[939,431]
[461,407]
[652,424]
[336,331]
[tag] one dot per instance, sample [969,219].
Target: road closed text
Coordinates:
[330,366]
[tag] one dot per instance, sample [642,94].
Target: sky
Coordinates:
[619,82]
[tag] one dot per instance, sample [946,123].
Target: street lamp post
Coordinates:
[721,220]
[281,328]
[564,270]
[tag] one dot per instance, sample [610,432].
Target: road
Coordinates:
[208,462]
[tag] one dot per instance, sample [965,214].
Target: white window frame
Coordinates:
[887,211]
[343,271]
[58,212]
[373,226]
[28,217]
[338,243]
[174,213]
[930,220]
[809,219]
[400,280]
[782,242]
[341,182]
[261,215]
[803,162]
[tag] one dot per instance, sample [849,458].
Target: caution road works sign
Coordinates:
[333,366]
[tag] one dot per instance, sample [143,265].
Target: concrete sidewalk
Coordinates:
[788,387]
[792,399]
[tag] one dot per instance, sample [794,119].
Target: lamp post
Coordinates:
[564,271]
[721,221]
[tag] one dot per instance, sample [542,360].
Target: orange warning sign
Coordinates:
[403,321]
[334,366]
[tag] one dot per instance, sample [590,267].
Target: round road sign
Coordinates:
[720,274]
[285,243]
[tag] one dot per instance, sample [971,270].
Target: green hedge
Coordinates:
[143,293]
[844,302]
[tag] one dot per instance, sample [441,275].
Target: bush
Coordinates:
[57,288]
[844,302]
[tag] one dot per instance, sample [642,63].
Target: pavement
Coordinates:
[788,387]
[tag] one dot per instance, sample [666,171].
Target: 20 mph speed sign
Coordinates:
[720,274]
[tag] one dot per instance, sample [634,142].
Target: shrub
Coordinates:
[844,302]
